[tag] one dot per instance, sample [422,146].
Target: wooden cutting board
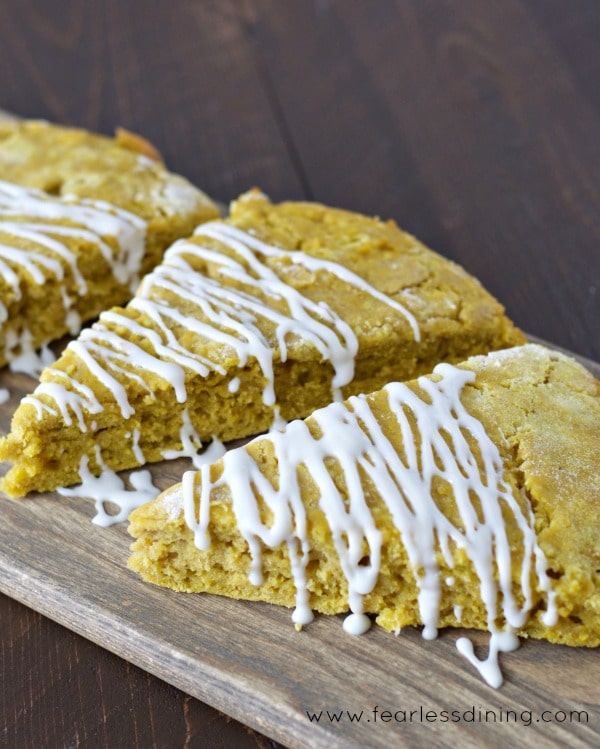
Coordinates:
[248,661]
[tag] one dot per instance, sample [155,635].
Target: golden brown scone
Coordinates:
[539,409]
[272,312]
[64,259]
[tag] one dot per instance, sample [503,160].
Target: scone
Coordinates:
[255,320]
[469,497]
[82,217]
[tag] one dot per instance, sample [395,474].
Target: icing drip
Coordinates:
[231,310]
[30,361]
[137,450]
[27,215]
[4,395]
[191,445]
[109,488]
[489,668]
[357,624]
[351,435]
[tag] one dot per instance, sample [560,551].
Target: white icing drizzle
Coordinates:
[357,624]
[351,435]
[109,489]
[191,444]
[30,361]
[4,395]
[73,396]
[489,668]
[135,445]
[229,309]
[27,214]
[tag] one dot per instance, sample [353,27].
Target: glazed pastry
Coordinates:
[82,218]
[469,497]
[251,322]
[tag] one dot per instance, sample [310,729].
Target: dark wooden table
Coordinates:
[474,124]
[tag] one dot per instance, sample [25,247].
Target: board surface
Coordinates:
[247,660]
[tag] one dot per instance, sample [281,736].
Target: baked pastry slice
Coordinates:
[469,497]
[82,217]
[257,319]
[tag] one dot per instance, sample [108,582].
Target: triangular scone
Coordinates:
[470,497]
[82,218]
[264,316]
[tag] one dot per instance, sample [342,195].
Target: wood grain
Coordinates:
[93,698]
[248,661]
